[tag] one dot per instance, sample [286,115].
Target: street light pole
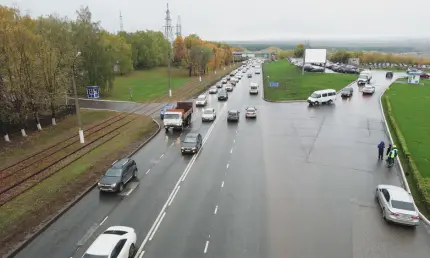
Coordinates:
[78,114]
[170,73]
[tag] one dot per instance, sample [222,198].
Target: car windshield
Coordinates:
[362,76]
[253,87]
[113,172]
[201,98]
[403,205]
[347,90]
[208,112]
[250,110]
[233,112]
[315,95]
[190,139]
[171,116]
[95,256]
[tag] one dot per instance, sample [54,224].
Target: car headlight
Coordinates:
[194,148]
[182,148]
[113,185]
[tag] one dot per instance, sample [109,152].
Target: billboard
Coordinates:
[315,55]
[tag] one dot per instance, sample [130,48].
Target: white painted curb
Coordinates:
[405,181]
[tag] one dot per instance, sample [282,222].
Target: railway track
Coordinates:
[21,176]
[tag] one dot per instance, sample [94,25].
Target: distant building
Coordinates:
[354,61]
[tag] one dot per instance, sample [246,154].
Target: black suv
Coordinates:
[389,75]
[233,115]
[347,92]
[121,172]
[192,143]
[222,95]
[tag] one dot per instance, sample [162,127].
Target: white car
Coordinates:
[116,241]
[229,87]
[397,205]
[368,89]
[209,114]
[213,90]
[224,81]
[251,112]
[257,71]
[219,84]
[201,100]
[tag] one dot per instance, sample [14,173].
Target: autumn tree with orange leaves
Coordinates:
[179,51]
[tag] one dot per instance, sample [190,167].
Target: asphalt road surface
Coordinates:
[295,182]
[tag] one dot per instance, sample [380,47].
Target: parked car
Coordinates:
[424,76]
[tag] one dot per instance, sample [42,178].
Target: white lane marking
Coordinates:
[206,246]
[216,209]
[172,144]
[181,178]
[162,155]
[222,185]
[147,171]
[156,228]
[141,254]
[234,141]
[228,165]
[103,221]
[231,151]
[129,192]
[174,195]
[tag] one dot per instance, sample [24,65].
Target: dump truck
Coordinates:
[178,117]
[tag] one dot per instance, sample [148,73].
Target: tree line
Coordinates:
[40,57]
[342,56]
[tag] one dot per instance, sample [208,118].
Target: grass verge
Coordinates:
[294,86]
[147,85]
[22,215]
[402,103]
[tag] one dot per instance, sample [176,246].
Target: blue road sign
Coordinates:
[274,84]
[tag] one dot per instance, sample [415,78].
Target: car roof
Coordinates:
[119,163]
[192,135]
[397,193]
[201,96]
[233,111]
[103,244]
[324,91]
[209,109]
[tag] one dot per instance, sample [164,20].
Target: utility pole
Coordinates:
[78,114]
[168,35]
[121,25]
[178,27]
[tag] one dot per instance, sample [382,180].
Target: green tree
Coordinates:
[118,52]
[299,51]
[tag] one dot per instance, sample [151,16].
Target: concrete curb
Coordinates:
[399,163]
[50,221]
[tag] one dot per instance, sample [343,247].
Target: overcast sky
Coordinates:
[251,19]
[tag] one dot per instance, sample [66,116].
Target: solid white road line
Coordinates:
[162,155]
[234,141]
[228,165]
[147,171]
[156,228]
[141,254]
[162,212]
[216,209]
[103,221]
[222,185]
[172,144]
[129,192]
[171,200]
[206,246]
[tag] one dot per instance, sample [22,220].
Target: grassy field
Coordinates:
[23,214]
[294,86]
[147,84]
[409,104]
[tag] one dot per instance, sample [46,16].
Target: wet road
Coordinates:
[296,182]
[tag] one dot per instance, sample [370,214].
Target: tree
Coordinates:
[299,51]
[119,52]
[179,51]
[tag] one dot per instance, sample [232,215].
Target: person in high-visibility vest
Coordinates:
[393,154]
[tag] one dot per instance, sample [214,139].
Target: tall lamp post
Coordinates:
[78,114]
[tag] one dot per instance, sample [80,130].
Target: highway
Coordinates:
[295,182]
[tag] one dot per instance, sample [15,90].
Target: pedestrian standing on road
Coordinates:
[381,147]
[389,149]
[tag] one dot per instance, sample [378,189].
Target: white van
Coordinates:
[253,88]
[364,77]
[322,96]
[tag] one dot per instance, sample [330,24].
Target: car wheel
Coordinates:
[132,251]
[384,216]
[316,103]
[330,102]
[121,187]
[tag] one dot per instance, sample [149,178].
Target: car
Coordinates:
[229,87]
[424,76]
[222,95]
[250,112]
[116,177]
[249,75]
[257,71]
[201,100]
[191,143]
[116,241]
[219,84]
[347,92]
[233,115]
[233,82]
[322,96]
[368,89]
[224,81]
[163,110]
[213,90]
[397,205]
[209,114]
[389,75]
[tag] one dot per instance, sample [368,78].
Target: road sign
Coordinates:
[274,84]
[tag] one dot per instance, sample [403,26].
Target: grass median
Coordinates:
[408,107]
[24,214]
[294,86]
